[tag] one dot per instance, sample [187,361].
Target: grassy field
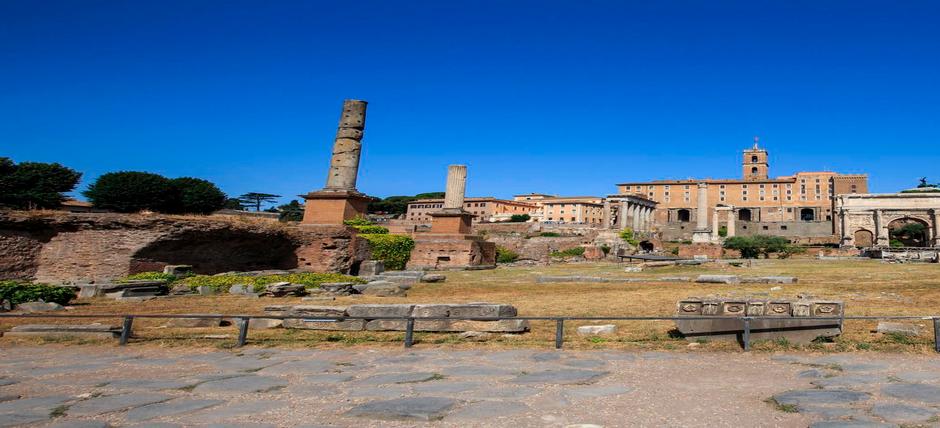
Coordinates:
[866,287]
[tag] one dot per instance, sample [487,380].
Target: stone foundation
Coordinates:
[58,247]
[463,314]
[441,252]
[712,251]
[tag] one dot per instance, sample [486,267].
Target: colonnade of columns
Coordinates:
[730,217]
[628,214]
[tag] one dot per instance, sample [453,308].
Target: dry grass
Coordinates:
[867,287]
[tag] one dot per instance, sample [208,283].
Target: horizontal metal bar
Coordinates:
[539,318]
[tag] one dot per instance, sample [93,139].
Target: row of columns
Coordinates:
[731,217]
[635,216]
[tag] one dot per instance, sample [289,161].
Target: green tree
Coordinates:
[751,247]
[131,191]
[233,204]
[291,211]
[254,199]
[32,185]
[519,218]
[196,196]
[398,205]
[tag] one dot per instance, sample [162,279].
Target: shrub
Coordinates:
[571,252]
[196,196]
[752,247]
[628,236]
[31,185]
[149,276]
[519,218]
[723,231]
[371,229]
[394,250]
[19,292]
[605,248]
[505,255]
[131,191]
[224,282]
[358,221]
[549,234]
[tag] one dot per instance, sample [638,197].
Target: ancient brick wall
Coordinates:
[62,247]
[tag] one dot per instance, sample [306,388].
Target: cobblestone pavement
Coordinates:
[85,386]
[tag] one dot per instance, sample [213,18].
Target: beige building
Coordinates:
[573,209]
[487,209]
[782,205]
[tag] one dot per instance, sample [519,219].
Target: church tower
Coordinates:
[754,164]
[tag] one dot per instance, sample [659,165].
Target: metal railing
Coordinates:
[243,321]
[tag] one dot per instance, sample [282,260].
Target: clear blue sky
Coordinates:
[535,96]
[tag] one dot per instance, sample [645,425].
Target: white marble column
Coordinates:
[701,233]
[606,217]
[881,229]
[456,186]
[715,226]
[732,217]
[622,215]
[636,218]
[936,228]
[347,147]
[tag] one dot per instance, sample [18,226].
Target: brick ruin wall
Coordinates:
[67,248]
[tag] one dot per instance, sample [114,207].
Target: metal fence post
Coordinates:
[936,333]
[559,332]
[746,337]
[242,331]
[409,332]
[126,330]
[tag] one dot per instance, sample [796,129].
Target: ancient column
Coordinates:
[605,217]
[936,228]
[636,218]
[701,233]
[881,235]
[844,230]
[622,215]
[715,227]
[456,187]
[732,217]
[347,147]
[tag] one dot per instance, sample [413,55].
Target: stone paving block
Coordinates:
[169,408]
[598,391]
[584,364]
[853,382]
[383,392]
[914,392]
[150,384]
[597,330]
[819,396]
[902,412]
[399,378]
[314,324]
[901,328]
[114,403]
[830,412]
[850,424]
[446,388]
[477,371]
[562,377]
[426,311]
[80,424]
[486,410]
[718,279]
[232,411]
[420,409]
[241,385]
[25,405]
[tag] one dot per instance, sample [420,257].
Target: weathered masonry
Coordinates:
[910,218]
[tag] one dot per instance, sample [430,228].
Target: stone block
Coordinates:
[597,330]
[88,291]
[384,289]
[898,328]
[798,321]
[91,331]
[316,311]
[718,279]
[178,270]
[769,280]
[241,289]
[371,267]
[338,288]
[205,290]
[482,311]
[39,307]
[264,323]
[315,324]
[378,311]
[430,311]
[431,278]
[450,326]
[280,289]
[193,322]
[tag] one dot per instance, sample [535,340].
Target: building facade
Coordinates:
[886,219]
[575,209]
[487,209]
[801,204]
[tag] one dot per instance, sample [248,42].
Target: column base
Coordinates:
[334,206]
[702,237]
[451,223]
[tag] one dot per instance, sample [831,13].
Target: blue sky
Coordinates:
[535,96]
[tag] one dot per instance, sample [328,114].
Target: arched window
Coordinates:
[754,170]
[684,216]
[754,159]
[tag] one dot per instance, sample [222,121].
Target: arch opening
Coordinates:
[807,214]
[744,214]
[218,251]
[864,238]
[908,232]
[684,216]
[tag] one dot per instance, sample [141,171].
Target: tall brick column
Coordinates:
[339,200]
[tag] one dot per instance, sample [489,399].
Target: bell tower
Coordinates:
[754,164]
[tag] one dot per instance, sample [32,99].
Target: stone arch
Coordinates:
[744,214]
[864,238]
[754,170]
[684,215]
[647,246]
[754,159]
[807,214]
[211,252]
[908,232]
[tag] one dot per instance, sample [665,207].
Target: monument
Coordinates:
[450,244]
[339,200]
[701,234]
